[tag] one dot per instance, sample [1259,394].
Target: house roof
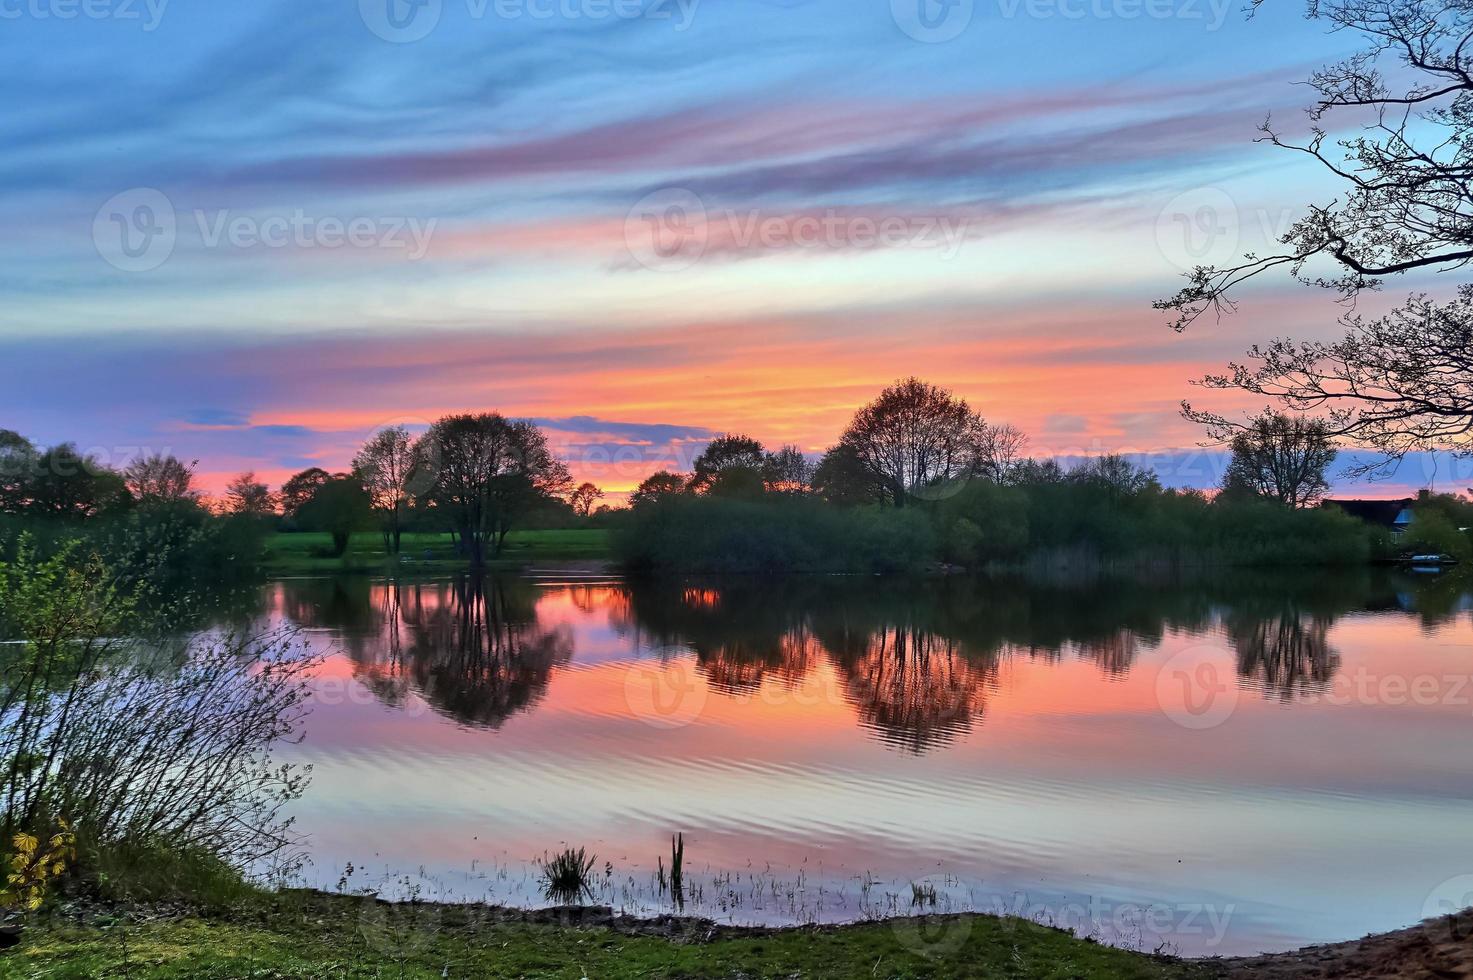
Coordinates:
[1387,513]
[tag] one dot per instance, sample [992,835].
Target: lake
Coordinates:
[1242,763]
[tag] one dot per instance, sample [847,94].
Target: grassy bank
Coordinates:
[304,552]
[310,935]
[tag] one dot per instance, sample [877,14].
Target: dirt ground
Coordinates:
[1437,948]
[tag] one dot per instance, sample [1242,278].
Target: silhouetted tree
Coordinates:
[299,489]
[1115,475]
[160,479]
[656,487]
[67,485]
[387,467]
[787,471]
[841,478]
[916,435]
[248,496]
[490,472]
[583,498]
[726,453]
[340,506]
[1403,201]
[1281,457]
[17,461]
[1001,448]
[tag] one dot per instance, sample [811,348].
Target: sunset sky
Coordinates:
[250,234]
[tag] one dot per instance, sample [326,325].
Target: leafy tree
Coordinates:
[1281,457]
[583,498]
[787,471]
[340,506]
[160,479]
[300,488]
[916,435]
[246,496]
[656,487]
[64,484]
[491,471]
[841,478]
[1116,476]
[725,453]
[387,466]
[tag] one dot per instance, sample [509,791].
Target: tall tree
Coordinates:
[386,466]
[842,478]
[916,435]
[725,453]
[160,479]
[658,486]
[491,471]
[1282,457]
[300,488]
[1401,200]
[583,497]
[1001,450]
[247,496]
[339,506]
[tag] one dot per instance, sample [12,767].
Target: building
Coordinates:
[1395,515]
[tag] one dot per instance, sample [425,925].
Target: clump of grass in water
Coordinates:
[568,876]
[676,881]
[923,894]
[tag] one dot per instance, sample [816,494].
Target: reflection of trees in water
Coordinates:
[914,687]
[472,648]
[1115,653]
[1289,655]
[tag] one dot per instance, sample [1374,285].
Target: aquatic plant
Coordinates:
[567,876]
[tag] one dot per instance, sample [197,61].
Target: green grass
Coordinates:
[317,936]
[297,553]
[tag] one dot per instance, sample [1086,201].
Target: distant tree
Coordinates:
[916,435]
[1281,457]
[17,462]
[841,478]
[724,453]
[160,479]
[67,485]
[1115,475]
[787,471]
[246,496]
[339,506]
[387,466]
[1001,448]
[491,471]
[583,498]
[1038,472]
[657,487]
[299,489]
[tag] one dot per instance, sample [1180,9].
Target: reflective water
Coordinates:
[1242,764]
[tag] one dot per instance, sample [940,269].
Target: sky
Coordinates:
[252,234]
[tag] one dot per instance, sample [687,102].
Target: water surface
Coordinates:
[1249,763]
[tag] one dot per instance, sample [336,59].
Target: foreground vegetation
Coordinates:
[313,936]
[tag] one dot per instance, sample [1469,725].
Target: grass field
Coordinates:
[347,938]
[289,553]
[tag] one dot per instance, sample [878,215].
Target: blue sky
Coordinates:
[250,234]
